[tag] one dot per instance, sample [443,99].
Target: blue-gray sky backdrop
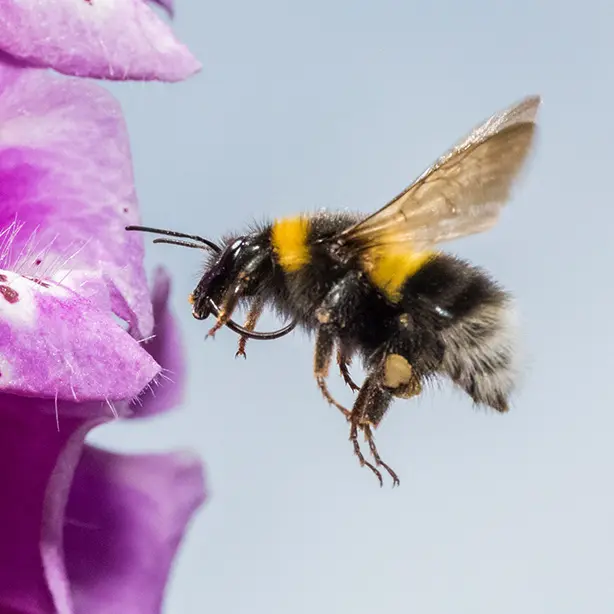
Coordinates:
[342,104]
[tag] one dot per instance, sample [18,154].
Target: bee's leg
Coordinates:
[325,344]
[228,306]
[344,360]
[358,452]
[234,292]
[255,311]
[378,461]
[332,319]
[371,405]
[394,377]
[399,378]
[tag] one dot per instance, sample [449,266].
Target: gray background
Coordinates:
[341,104]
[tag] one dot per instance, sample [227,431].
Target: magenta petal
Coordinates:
[88,284]
[94,38]
[57,344]
[167,350]
[100,290]
[125,518]
[31,449]
[67,184]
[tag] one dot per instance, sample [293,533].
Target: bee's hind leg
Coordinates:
[371,404]
[369,408]
[378,460]
[358,452]
[392,377]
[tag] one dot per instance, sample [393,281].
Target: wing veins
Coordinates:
[461,193]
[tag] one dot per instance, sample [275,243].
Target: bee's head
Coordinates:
[231,274]
[220,275]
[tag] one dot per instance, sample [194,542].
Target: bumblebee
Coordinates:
[377,286]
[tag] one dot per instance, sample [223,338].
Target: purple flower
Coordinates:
[119,40]
[121,535]
[83,531]
[167,5]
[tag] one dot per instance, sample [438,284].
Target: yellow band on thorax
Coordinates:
[289,239]
[390,267]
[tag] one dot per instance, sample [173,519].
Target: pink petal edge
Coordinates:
[166,348]
[95,38]
[167,5]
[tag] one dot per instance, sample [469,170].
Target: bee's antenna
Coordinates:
[181,243]
[180,235]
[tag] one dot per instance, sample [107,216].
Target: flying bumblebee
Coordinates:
[377,286]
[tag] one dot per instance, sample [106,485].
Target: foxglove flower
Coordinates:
[83,531]
[117,40]
[167,5]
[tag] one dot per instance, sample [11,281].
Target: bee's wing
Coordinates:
[462,193]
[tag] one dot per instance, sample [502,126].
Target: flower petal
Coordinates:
[31,450]
[101,290]
[126,516]
[167,5]
[57,344]
[167,350]
[67,184]
[106,39]
[88,284]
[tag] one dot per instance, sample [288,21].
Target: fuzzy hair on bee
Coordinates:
[378,286]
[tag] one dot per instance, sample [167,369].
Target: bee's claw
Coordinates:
[218,324]
[241,350]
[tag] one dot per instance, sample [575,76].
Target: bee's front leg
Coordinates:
[254,313]
[229,304]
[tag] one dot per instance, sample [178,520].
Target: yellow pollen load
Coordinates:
[389,268]
[289,238]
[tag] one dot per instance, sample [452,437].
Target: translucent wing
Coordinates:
[462,193]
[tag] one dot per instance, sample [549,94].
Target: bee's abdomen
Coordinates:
[475,322]
[480,354]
